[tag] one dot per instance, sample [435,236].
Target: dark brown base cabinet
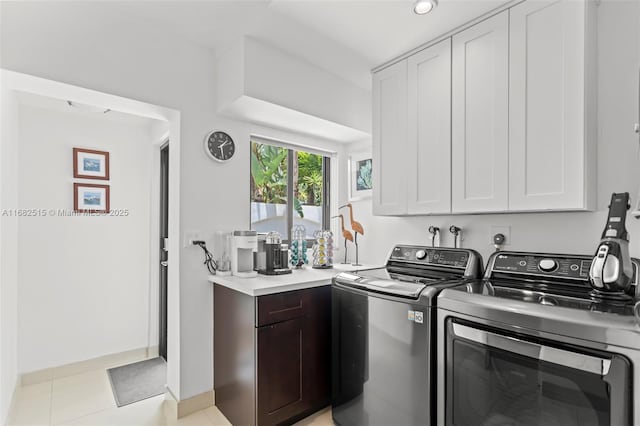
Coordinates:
[272,355]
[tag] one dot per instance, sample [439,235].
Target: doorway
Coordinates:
[164,249]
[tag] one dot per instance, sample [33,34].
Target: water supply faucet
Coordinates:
[457,235]
[435,236]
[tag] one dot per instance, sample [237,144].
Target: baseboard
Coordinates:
[106,361]
[177,409]
[170,404]
[8,420]
[195,403]
[153,352]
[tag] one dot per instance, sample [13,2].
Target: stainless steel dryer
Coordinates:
[529,345]
[383,335]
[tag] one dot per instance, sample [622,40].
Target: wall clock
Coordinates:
[219,146]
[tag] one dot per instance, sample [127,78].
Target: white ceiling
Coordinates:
[379,30]
[345,37]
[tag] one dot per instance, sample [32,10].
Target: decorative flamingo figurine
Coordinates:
[346,234]
[357,229]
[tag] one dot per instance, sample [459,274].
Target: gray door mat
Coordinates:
[140,380]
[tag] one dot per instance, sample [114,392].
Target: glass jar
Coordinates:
[298,247]
[323,249]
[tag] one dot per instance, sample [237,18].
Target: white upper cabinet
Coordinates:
[550,108]
[390,140]
[499,117]
[480,117]
[427,162]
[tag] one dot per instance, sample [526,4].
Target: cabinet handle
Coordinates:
[590,364]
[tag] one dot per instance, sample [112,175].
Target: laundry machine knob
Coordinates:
[547,265]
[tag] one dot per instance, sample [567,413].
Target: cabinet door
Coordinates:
[548,144]
[390,140]
[281,387]
[294,358]
[480,116]
[428,160]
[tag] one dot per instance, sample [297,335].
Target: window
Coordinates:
[279,175]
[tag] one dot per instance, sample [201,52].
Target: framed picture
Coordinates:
[90,164]
[90,198]
[360,172]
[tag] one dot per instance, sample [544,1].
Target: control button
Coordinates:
[436,256]
[574,267]
[421,254]
[522,263]
[547,265]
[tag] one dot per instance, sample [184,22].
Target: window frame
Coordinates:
[326,186]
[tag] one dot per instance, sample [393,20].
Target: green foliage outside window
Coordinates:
[309,178]
[269,176]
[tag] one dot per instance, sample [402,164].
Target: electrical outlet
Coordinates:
[190,237]
[504,230]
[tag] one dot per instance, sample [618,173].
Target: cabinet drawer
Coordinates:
[280,307]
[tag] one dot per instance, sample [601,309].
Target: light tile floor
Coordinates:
[86,399]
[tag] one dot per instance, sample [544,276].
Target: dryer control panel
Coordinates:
[432,256]
[546,265]
[414,259]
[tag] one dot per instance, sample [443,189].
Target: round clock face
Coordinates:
[219,146]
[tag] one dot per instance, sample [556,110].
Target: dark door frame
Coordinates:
[164,234]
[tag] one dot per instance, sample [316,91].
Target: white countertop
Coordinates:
[297,280]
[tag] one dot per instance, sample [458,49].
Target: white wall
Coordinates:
[261,84]
[618,167]
[75,43]
[8,253]
[83,281]
[278,77]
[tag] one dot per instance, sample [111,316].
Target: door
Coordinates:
[164,258]
[390,140]
[429,130]
[494,377]
[480,94]
[548,133]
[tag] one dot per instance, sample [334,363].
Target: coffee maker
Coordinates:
[272,257]
[242,254]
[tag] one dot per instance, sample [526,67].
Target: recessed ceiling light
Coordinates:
[424,6]
[88,108]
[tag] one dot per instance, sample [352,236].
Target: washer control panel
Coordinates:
[553,266]
[434,256]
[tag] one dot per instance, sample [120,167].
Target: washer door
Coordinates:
[495,378]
